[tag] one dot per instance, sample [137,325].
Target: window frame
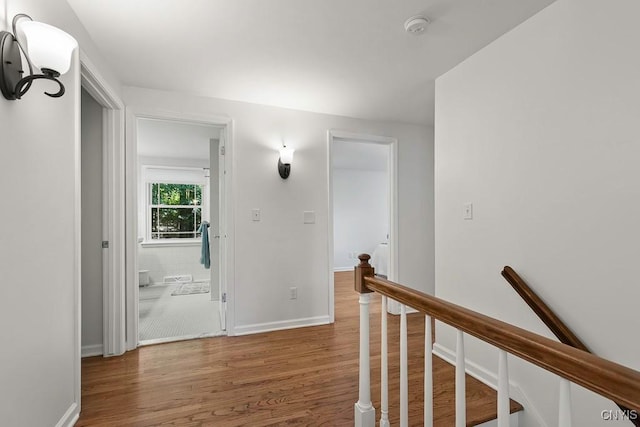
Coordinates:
[171,175]
[151,206]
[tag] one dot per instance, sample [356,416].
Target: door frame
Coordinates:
[392,143]
[113,206]
[227,225]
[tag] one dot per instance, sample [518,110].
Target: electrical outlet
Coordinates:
[293,293]
[255,214]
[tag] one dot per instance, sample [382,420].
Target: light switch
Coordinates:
[309,217]
[467,211]
[255,214]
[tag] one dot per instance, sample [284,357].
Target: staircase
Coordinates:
[572,365]
[481,407]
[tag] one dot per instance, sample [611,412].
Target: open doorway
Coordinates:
[92,225]
[362,201]
[102,326]
[178,230]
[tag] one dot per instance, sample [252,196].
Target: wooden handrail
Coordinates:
[609,379]
[549,317]
[553,322]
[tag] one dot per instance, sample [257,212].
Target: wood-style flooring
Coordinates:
[306,376]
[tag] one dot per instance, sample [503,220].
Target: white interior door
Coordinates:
[217,236]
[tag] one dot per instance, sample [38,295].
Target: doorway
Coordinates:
[179,204]
[92,225]
[101,330]
[362,203]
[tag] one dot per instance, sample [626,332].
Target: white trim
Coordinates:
[70,417]
[186,175]
[113,227]
[332,135]
[227,229]
[182,338]
[162,243]
[341,269]
[282,324]
[74,410]
[490,379]
[92,350]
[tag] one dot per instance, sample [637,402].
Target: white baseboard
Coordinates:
[341,269]
[70,417]
[490,379]
[279,325]
[92,350]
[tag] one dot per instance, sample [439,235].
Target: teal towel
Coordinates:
[205,255]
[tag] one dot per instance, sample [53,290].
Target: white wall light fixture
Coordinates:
[47,49]
[284,162]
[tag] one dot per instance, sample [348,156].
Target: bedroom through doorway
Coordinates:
[362,199]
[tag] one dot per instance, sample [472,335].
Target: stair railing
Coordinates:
[611,380]
[550,319]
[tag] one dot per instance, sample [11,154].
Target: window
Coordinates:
[175,210]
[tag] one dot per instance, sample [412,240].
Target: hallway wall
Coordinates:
[40,245]
[280,251]
[540,132]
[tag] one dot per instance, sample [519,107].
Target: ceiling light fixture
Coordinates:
[46,48]
[416,24]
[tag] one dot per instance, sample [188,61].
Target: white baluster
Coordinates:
[461,410]
[384,371]
[503,390]
[404,383]
[365,414]
[428,373]
[564,413]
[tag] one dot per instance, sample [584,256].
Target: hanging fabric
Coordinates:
[205,255]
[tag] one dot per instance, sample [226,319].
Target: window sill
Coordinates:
[170,243]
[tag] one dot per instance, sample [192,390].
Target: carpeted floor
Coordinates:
[166,316]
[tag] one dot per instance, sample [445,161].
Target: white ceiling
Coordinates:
[174,140]
[344,57]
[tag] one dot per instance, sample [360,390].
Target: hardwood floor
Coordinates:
[306,376]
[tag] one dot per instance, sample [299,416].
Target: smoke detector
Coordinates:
[416,24]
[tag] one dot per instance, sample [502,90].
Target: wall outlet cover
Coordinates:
[309,217]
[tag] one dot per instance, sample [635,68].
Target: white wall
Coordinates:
[39,251]
[91,148]
[360,214]
[172,260]
[280,251]
[540,132]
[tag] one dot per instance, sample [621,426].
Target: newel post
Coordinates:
[365,413]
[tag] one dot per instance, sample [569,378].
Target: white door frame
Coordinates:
[227,229]
[113,206]
[392,143]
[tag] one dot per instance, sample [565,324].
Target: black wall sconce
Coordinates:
[284,162]
[46,48]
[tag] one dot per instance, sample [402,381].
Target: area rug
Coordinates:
[192,288]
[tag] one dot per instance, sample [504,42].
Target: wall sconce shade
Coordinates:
[48,46]
[47,50]
[284,162]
